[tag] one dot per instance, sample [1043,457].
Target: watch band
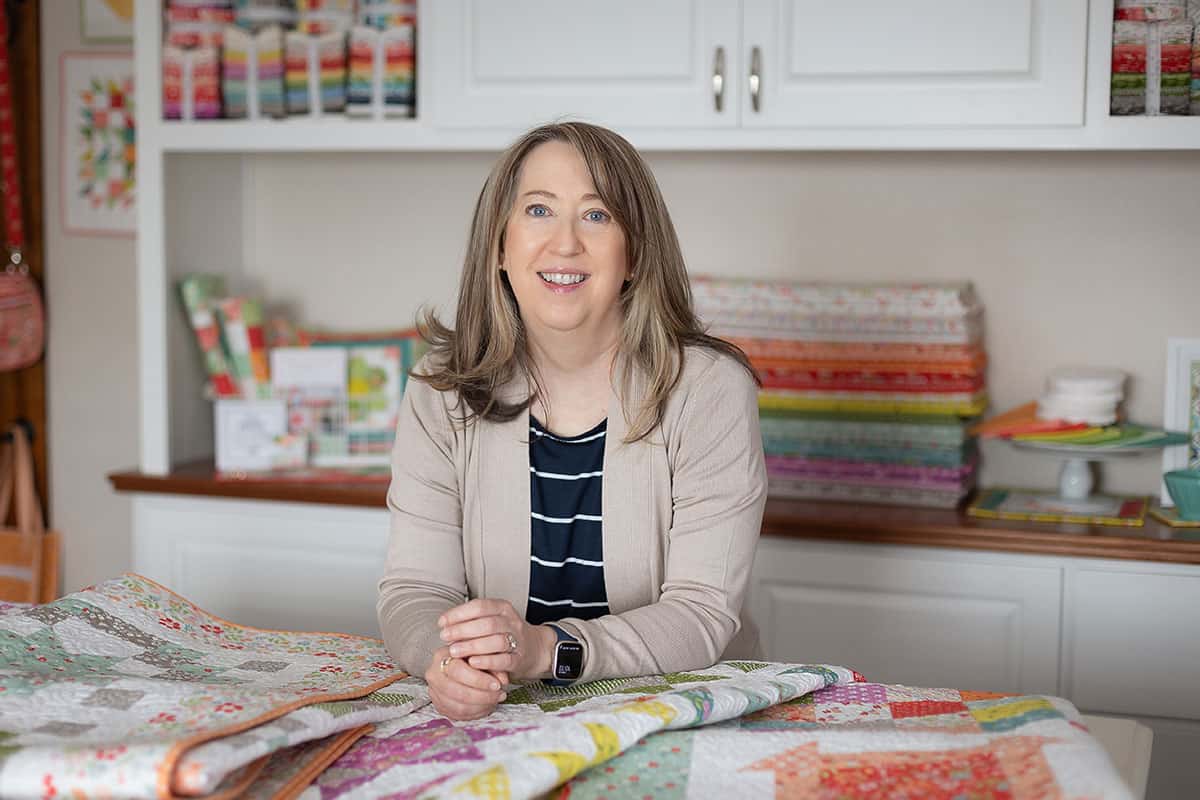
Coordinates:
[561,636]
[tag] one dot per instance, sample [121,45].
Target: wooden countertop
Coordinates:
[795,519]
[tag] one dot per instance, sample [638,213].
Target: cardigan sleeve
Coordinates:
[424,574]
[718,489]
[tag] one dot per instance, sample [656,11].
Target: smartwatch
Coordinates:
[567,665]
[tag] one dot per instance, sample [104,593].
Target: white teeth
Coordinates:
[561,279]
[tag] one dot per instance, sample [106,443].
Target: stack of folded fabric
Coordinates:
[868,389]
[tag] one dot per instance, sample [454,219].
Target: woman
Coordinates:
[576,454]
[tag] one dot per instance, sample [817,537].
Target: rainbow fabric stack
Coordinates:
[868,389]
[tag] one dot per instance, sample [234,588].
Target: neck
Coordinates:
[574,355]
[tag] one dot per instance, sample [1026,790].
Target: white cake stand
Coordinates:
[1076,479]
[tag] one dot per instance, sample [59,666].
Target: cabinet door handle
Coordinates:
[718,79]
[755,78]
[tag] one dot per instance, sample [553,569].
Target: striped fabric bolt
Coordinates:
[566,569]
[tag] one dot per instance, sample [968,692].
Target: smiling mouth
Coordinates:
[562,278]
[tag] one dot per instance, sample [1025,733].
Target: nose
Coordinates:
[566,239]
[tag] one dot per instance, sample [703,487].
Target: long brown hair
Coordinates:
[487,347]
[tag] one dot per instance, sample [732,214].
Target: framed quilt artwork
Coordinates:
[106,20]
[1181,409]
[99,152]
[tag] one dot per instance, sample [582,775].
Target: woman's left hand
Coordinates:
[484,632]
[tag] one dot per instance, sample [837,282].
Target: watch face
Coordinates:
[568,661]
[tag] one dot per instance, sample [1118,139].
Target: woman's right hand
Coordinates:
[461,692]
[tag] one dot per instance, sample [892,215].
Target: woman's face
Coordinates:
[563,251]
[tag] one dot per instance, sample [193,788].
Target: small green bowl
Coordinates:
[1184,487]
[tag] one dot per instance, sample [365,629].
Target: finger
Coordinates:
[473,629]
[476,686]
[469,696]
[479,607]
[455,710]
[460,671]
[504,662]
[484,645]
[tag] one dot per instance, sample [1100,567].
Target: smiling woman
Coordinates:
[578,477]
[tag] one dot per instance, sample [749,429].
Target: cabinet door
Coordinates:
[951,620]
[623,63]
[266,564]
[881,63]
[1133,640]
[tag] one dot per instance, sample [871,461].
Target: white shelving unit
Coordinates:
[160,141]
[256,561]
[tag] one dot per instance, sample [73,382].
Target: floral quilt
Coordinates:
[125,690]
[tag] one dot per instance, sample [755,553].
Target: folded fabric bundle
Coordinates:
[867,430]
[1151,69]
[962,404]
[866,380]
[899,495]
[947,300]
[854,451]
[857,354]
[960,359]
[868,473]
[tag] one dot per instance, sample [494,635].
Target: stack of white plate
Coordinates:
[1083,395]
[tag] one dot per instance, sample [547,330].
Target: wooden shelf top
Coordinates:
[794,519]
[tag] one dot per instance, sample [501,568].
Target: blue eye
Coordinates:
[596,215]
[537,210]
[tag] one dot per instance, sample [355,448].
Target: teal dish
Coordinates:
[1184,488]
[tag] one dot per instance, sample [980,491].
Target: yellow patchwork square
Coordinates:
[1009,710]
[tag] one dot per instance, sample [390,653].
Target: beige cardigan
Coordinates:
[680,524]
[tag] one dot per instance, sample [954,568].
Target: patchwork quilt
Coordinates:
[127,690]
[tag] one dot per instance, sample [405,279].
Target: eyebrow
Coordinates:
[553,196]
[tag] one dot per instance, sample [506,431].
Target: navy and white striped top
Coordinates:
[566,570]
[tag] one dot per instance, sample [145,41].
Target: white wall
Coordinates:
[91,355]
[1079,258]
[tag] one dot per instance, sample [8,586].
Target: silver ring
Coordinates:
[446,661]
[512,643]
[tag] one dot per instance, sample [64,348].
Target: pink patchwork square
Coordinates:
[868,693]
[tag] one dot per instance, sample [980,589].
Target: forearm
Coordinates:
[409,628]
[672,635]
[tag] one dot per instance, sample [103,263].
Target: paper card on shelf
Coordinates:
[246,432]
[309,368]
[373,394]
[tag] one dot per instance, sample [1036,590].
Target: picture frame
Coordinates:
[1181,407]
[97,131]
[106,21]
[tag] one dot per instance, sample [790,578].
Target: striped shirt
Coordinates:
[566,570]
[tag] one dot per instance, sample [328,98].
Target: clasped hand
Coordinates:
[468,677]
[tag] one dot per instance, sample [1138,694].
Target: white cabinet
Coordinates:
[777,63]
[267,564]
[920,617]
[1134,640]
[879,63]
[1128,631]
[623,63]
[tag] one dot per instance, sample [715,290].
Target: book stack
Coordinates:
[295,398]
[229,331]
[868,390]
